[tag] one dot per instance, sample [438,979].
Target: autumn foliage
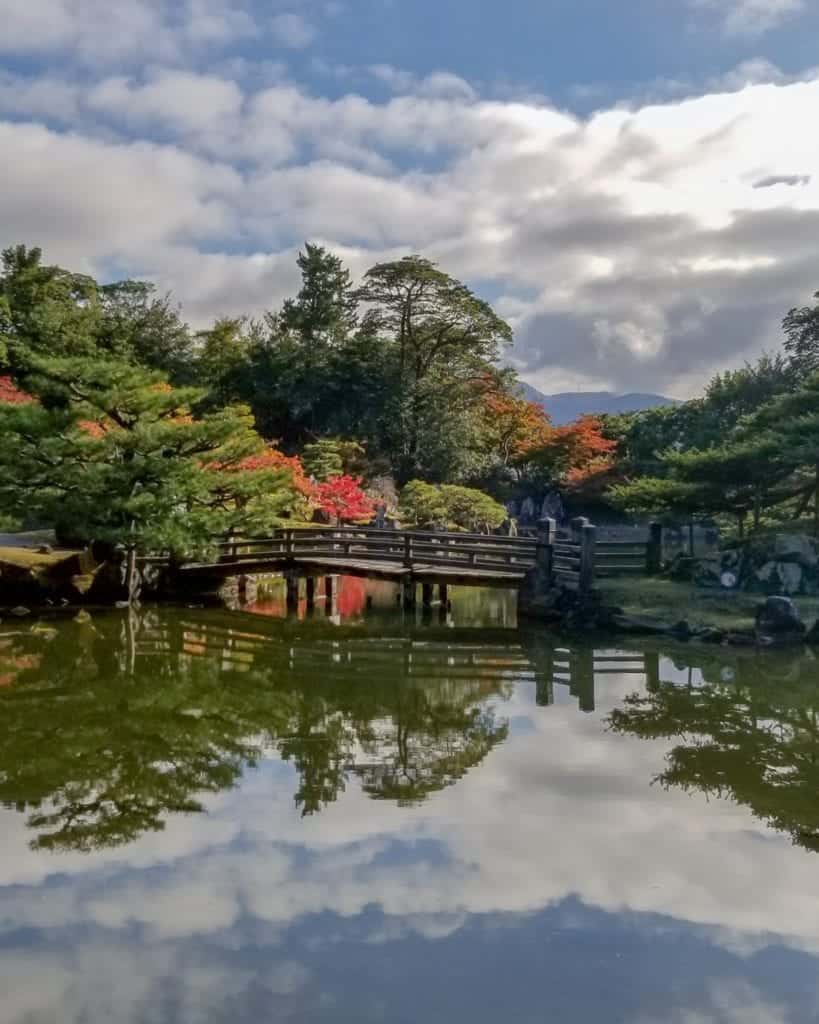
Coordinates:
[515,425]
[576,452]
[11,394]
[342,498]
[272,458]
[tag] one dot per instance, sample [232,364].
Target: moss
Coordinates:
[26,558]
[672,602]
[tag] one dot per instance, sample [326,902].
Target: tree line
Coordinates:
[118,421]
[746,451]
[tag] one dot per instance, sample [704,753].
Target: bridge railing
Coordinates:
[409,548]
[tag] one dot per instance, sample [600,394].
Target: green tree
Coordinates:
[333,456]
[112,452]
[424,504]
[445,341]
[801,327]
[138,325]
[792,423]
[222,359]
[738,478]
[325,310]
[300,367]
[45,310]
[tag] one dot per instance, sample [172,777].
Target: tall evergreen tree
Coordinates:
[446,340]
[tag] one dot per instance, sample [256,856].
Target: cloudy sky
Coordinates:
[635,185]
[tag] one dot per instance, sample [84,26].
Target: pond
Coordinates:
[213,815]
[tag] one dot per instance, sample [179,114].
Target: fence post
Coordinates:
[654,549]
[407,551]
[288,543]
[546,531]
[587,544]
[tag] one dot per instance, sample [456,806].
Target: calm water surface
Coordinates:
[228,816]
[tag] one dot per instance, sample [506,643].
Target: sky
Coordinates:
[633,184]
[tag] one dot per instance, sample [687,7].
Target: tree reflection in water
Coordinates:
[113,725]
[746,729]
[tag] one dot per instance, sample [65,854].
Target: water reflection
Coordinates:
[113,724]
[745,728]
[488,847]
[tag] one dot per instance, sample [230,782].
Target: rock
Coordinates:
[639,624]
[777,616]
[710,635]
[45,549]
[796,548]
[21,611]
[681,630]
[790,575]
[738,639]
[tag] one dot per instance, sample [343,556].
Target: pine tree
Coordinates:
[112,452]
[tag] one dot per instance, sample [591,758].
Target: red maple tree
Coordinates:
[343,500]
[515,425]
[272,458]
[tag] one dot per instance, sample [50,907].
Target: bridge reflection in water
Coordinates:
[113,724]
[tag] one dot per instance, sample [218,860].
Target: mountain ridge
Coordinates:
[566,406]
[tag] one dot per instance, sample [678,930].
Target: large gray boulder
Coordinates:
[779,616]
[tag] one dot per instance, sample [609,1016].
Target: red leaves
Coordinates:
[11,394]
[584,449]
[342,498]
[272,458]
[518,426]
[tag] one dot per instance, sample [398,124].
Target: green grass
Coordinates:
[699,606]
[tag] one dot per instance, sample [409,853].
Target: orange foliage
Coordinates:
[11,394]
[582,449]
[517,426]
[272,458]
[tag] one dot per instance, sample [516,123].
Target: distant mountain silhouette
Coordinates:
[567,406]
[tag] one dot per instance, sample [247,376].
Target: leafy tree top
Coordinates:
[430,313]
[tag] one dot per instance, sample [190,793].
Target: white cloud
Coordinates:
[588,825]
[293,30]
[105,32]
[631,248]
[752,17]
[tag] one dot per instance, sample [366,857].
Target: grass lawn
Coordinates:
[699,606]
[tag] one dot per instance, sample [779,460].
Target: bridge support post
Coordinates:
[408,593]
[654,549]
[586,535]
[443,594]
[331,595]
[582,684]
[310,591]
[427,592]
[292,585]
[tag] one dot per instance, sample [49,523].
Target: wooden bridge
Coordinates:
[549,558]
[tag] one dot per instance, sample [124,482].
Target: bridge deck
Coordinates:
[361,567]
